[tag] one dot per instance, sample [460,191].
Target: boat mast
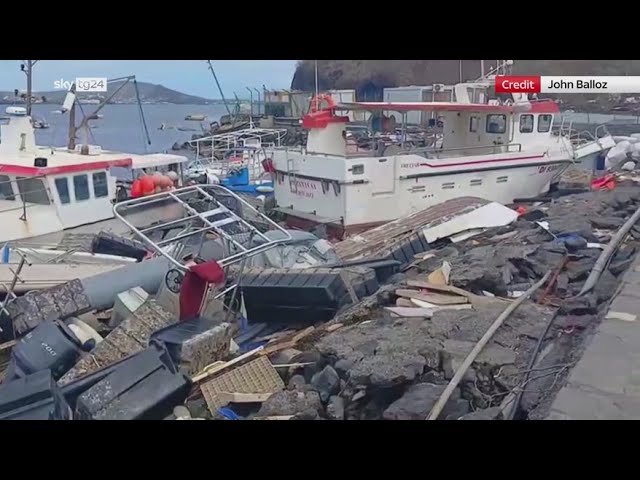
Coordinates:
[27,68]
[316,72]
[215,77]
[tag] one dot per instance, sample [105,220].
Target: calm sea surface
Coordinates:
[121,127]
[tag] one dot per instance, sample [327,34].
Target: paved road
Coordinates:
[605,384]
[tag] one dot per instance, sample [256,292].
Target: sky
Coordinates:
[186,76]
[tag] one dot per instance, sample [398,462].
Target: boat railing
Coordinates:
[427,152]
[21,197]
[207,147]
[199,214]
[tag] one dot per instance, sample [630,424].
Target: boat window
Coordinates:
[81,187]
[6,190]
[526,123]
[100,186]
[357,169]
[476,182]
[473,124]
[496,123]
[502,179]
[448,185]
[62,185]
[32,190]
[544,123]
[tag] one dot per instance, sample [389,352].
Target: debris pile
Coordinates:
[379,334]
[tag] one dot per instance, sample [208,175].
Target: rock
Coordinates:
[562,284]
[343,366]
[198,408]
[181,412]
[455,409]
[493,413]
[396,359]
[574,321]
[606,286]
[285,357]
[482,267]
[397,278]
[618,267]
[335,408]
[450,365]
[579,305]
[297,382]
[579,269]
[607,223]
[316,360]
[417,402]
[326,383]
[492,355]
[289,402]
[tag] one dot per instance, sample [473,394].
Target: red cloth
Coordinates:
[607,182]
[194,287]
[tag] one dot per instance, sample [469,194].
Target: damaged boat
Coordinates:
[491,149]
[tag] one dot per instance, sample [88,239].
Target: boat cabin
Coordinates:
[45,189]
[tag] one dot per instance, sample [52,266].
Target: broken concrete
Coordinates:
[290,402]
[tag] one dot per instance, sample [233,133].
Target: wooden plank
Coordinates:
[436,298]
[226,397]
[410,312]
[472,297]
[334,327]
[404,302]
[419,303]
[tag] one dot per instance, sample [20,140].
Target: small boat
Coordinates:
[40,123]
[196,118]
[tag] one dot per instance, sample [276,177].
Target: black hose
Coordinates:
[532,361]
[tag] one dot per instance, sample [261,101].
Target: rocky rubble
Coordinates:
[383,367]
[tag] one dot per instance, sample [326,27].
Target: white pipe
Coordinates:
[442,401]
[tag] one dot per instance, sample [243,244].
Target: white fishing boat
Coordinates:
[496,150]
[44,190]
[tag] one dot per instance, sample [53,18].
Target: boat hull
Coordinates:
[350,207]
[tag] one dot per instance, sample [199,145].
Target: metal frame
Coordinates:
[210,226]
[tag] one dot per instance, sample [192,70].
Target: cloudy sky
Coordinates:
[187,76]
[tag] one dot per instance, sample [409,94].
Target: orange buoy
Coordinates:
[148,185]
[136,189]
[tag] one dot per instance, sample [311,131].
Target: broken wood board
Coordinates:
[217,367]
[334,327]
[472,297]
[379,242]
[256,376]
[410,312]
[276,347]
[405,302]
[436,298]
[441,275]
[421,304]
[227,398]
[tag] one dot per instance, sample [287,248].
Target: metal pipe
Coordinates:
[250,100]
[442,401]
[258,92]
[608,252]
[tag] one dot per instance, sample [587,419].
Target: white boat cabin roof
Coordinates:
[542,106]
[19,154]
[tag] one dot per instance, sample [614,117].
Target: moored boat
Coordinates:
[491,149]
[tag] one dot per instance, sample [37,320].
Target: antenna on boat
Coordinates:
[316,72]
[215,77]
[27,68]
[482,68]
